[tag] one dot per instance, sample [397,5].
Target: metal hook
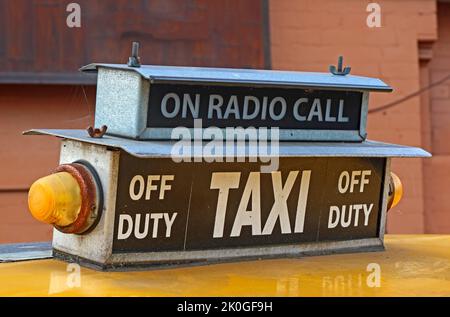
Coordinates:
[339,71]
[134,60]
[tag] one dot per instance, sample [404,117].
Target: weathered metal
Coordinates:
[91,205]
[247,77]
[129,100]
[155,148]
[13,252]
[97,132]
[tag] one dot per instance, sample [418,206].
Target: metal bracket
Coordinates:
[339,71]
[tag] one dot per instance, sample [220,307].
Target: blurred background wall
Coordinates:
[41,88]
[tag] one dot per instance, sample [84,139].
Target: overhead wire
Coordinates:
[409,96]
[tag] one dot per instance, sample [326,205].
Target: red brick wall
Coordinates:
[36,45]
[309,35]
[34,37]
[437,182]
[26,158]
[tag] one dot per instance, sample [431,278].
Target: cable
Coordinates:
[407,97]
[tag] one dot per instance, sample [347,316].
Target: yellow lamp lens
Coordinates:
[55,199]
[398,190]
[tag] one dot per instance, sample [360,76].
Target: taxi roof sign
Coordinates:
[192,156]
[149,102]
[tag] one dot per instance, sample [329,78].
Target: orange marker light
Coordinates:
[55,199]
[71,199]
[395,191]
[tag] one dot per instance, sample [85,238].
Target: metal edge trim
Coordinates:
[364,114]
[383,216]
[285,134]
[182,80]
[148,260]
[362,152]
[308,248]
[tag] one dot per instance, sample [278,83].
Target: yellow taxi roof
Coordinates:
[412,265]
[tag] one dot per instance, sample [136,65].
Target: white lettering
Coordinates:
[194,109]
[176,107]
[136,179]
[124,235]
[223,182]
[250,217]
[215,102]
[296,109]
[279,208]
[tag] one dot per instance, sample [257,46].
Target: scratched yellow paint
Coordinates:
[412,265]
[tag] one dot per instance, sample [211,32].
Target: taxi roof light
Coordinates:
[395,191]
[55,199]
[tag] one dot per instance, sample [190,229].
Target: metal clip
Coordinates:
[339,70]
[134,60]
[96,132]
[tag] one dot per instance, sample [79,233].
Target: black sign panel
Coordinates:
[166,206]
[173,105]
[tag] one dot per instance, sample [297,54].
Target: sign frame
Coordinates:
[123,101]
[95,250]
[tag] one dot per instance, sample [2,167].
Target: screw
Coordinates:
[134,60]
[96,132]
[339,71]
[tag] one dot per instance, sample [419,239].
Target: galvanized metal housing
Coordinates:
[123,95]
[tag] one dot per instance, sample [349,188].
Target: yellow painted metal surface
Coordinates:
[412,265]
